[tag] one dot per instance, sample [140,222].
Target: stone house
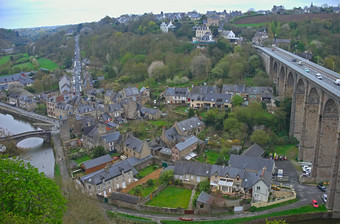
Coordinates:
[112,141]
[115,110]
[150,113]
[170,137]
[64,85]
[129,92]
[226,179]
[191,172]
[190,126]
[93,165]
[133,146]
[165,154]
[204,203]
[176,95]
[254,150]
[13,98]
[184,147]
[130,109]
[211,100]
[110,179]
[259,37]
[106,117]
[26,101]
[213,21]
[109,96]
[85,109]
[62,110]
[202,30]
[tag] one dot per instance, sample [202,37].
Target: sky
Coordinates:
[37,13]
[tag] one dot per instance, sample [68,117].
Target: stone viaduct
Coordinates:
[44,134]
[314,115]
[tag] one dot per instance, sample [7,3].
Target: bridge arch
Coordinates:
[300,87]
[299,109]
[290,84]
[281,79]
[313,96]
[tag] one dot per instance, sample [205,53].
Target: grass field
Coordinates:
[48,64]
[146,171]
[82,159]
[4,59]
[302,210]
[289,150]
[252,25]
[210,156]
[172,197]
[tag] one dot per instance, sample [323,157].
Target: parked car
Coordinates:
[324,198]
[321,187]
[337,82]
[315,204]
[319,76]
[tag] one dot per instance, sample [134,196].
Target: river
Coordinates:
[38,154]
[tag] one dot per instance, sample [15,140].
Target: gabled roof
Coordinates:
[213,97]
[255,151]
[133,143]
[222,171]
[234,88]
[195,168]
[112,137]
[189,124]
[203,90]
[171,134]
[131,91]
[251,163]
[97,161]
[175,91]
[106,116]
[115,106]
[186,143]
[110,93]
[205,198]
[146,110]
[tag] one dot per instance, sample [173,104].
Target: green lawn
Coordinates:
[301,210]
[172,197]
[289,150]
[146,190]
[146,171]
[48,64]
[82,159]
[24,66]
[210,156]
[4,59]
[160,123]
[181,110]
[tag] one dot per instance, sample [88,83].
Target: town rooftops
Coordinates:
[205,198]
[175,91]
[255,151]
[131,91]
[189,124]
[106,116]
[115,107]
[186,143]
[19,77]
[112,137]
[146,110]
[194,168]
[83,108]
[97,161]
[133,143]
[115,170]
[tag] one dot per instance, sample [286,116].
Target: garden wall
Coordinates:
[152,194]
[147,162]
[162,209]
[264,203]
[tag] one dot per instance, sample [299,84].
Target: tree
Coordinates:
[98,151]
[237,100]
[200,65]
[260,137]
[220,160]
[167,176]
[150,182]
[191,113]
[28,195]
[204,186]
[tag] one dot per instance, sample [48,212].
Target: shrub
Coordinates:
[150,182]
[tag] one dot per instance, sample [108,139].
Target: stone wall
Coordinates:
[265,204]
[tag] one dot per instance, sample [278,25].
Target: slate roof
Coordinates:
[259,90]
[133,143]
[64,83]
[106,116]
[112,137]
[110,93]
[195,168]
[135,161]
[186,143]
[171,134]
[234,88]
[17,78]
[131,91]
[212,97]
[255,151]
[176,91]
[128,198]
[203,90]
[205,198]
[146,110]
[97,161]
[165,151]
[142,89]
[222,171]
[115,107]
[189,124]
[251,163]
[63,106]
[3,87]
[115,170]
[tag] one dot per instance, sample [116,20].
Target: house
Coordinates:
[280,10]
[192,172]
[111,141]
[194,15]
[165,154]
[26,101]
[229,35]
[190,126]
[254,151]
[96,164]
[91,137]
[170,137]
[213,21]
[176,95]
[130,109]
[64,85]
[133,146]
[261,94]
[13,98]
[210,100]
[19,78]
[250,163]
[166,27]
[204,202]
[150,113]
[109,96]
[129,92]
[85,109]
[109,179]
[233,90]
[259,37]
[115,110]
[106,117]
[202,30]
[226,179]
[62,110]
[184,147]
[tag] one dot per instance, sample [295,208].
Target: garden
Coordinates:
[172,197]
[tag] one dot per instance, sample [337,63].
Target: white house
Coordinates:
[166,27]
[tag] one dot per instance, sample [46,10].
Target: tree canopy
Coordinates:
[28,196]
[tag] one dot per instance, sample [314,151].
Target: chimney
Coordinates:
[264,169]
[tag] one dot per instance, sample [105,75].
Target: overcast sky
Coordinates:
[35,13]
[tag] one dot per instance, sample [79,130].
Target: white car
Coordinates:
[318,75]
[337,82]
[324,198]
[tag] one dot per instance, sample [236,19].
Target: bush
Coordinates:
[178,182]
[150,182]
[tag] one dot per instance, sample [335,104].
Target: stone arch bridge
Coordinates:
[314,116]
[44,134]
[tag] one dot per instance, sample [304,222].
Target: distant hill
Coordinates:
[282,18]
[10,37]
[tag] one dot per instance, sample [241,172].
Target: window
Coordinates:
[258,188]
[202,206]
[98,188]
